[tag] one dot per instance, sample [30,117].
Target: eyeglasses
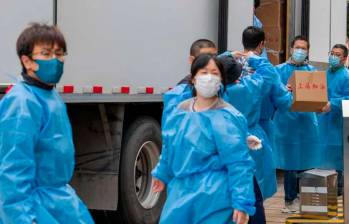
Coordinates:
[48,54]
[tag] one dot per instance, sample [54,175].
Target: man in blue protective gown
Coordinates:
[296,134]
[331,118]
[36,146]
[257,81]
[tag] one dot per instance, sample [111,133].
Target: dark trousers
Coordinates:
[259,216]
[340,179]
[291,184]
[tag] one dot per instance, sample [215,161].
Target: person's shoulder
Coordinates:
[179,89]
[230,112]
[280,66]
[22,97]
[186,104]
[185,80]
[311,67]
[20,91]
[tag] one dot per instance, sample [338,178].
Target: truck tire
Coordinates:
[140,154]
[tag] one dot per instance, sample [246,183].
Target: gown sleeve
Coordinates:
[230,137]
[19,125]
[336,102]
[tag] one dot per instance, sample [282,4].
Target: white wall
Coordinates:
[327,27]
[240,16]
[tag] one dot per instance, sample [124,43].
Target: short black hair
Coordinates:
[343,47]
[232,69]
[257,3]
[252,37]
[300,37]
[201,62]
[199,44]
[39,34]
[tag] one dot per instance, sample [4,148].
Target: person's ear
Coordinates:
[262,45]
[191,59]
[28,63]
[291,51]
[192,80]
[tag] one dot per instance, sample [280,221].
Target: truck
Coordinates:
[122,57]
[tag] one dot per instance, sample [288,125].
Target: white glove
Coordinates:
[253,142]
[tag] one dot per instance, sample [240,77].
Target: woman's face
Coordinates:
[211,68]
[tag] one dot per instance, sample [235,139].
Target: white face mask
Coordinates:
[207,85]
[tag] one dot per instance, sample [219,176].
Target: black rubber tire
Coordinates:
[142,130]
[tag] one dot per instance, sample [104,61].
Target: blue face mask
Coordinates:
[334,61]
[299,55]
[50,71]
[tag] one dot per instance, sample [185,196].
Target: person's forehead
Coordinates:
[211,50]
[46,46]
[300,43]
[337,50]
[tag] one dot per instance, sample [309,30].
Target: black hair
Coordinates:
[232,69]
[39,34]
[199,44]
[257,3]
[252,37]
[201,62]
[300,37]
[343,47]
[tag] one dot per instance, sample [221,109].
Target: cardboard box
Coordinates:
[309,91]
[275,57]
[272,12]
[274,37]
[318,193]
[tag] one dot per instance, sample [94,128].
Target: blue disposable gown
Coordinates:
[331,123]
[206,166]
[37,159]
[278,98]
[296,145]
[246,96]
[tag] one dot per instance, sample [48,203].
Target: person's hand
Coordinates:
[326,108]
[289,88]
[158,185]
[238,54]
[253,142]
[240,217]
[251,53]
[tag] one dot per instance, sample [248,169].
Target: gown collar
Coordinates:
[33,82]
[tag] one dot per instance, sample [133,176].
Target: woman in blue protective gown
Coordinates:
[36,146]
[245,94]
[205,162]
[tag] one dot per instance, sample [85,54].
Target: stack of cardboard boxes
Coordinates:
[272,14]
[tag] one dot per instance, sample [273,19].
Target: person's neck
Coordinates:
[335,69]
[203,103]
[32,75]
